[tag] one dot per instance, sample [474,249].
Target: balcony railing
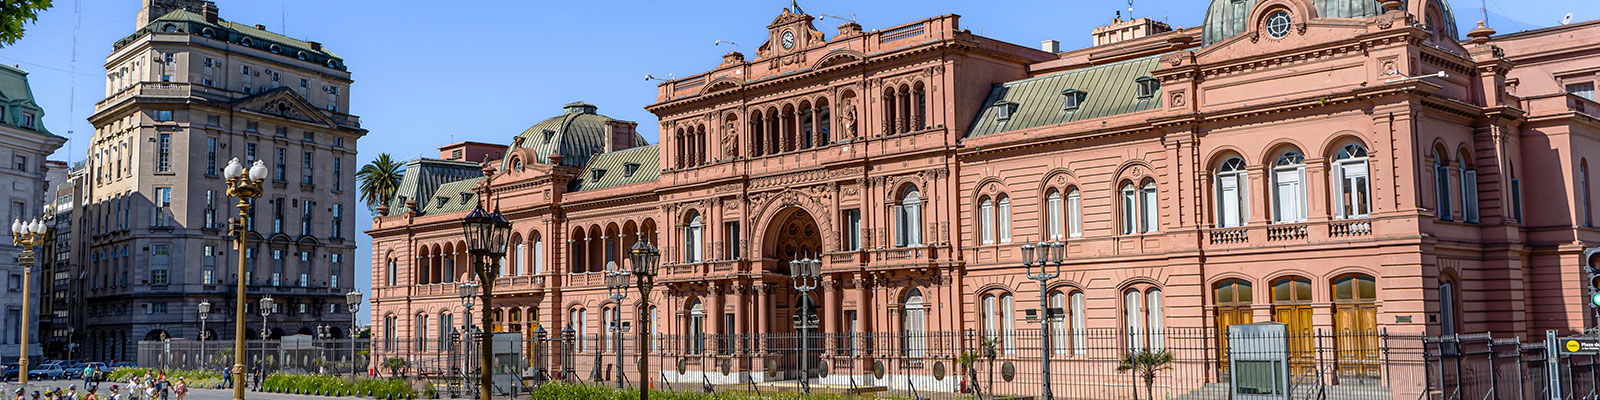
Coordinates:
[1350,228]
[1289,234]
[1283,232]
[1229,236]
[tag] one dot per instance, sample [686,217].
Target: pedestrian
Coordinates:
[72,392]
[227,377]
[114,394]
[21,394]
[88,375]
[90,395]
[181,389]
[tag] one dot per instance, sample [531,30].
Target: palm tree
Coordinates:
[379,179]
[1144,364]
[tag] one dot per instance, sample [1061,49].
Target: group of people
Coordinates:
[151,386]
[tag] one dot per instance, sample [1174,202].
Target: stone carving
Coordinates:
[849,119]
[1177,98]
[730,141]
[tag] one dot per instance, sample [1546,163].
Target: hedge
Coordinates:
[313,383]
[195,378]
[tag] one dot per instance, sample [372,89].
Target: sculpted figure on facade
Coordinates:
[849,119]
[730,140]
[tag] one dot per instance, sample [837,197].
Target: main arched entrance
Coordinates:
[793,234]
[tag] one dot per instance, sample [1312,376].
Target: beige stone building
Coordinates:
[185,93]
[24,144]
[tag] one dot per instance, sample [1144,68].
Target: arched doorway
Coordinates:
[794,234]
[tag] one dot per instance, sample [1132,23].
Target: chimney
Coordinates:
[261,27]
[620,135]
[1050,46]
[210,11]
[315,45]
[849,28]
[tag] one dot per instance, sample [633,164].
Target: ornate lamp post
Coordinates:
[617,287]
[245,186]
[469,292]
[266,310]
[353,300]
[1049,253]
[645,260]
[486,240]
[205,311]
[26,234]
[806,274]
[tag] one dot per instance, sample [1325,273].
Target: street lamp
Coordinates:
[645,259]
[806,274]
[1048,253]
[469,292]
[205,311]
[353,300]
[486,240]
[26,234]
[617,287]
[266,310]
[245,186]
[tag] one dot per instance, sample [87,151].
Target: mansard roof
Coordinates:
[453,196]
[617,168]
[578,133]
[185,21]
[1105,90]
[425,176]
[16,97]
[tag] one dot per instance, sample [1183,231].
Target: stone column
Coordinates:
[763,315]
[719,304]
[741,315]
[863,314]
[830,314]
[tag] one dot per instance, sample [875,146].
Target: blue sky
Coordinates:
[429,73]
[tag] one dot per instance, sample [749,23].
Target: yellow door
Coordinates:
[1233,307]
[1291,305]
[1355,321]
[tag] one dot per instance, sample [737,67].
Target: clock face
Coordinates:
[788,40]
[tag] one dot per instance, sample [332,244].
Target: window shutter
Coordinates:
[1469,195]
[1228,201]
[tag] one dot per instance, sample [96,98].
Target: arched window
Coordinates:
[908,218]
[577,318]
[915,324]
[1447,308]
[1149,205]
[1058,322]
[1130,208]
[1074,213]
[1003,213]
[1441,185]
[1352,199]
[999,320]
[1080,327]
[1052,209]
[606,328]
[1133,306]
[422,332]
[446,330]
[1355,317]
[692,236]
[1233,196]
[1145,323]
[986,220]
[697,327]
[394,272]
[1289,187]
[388,333]
[1469,188]
[538,254]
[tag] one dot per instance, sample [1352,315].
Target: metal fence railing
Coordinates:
[290,354]
[1489,367]
[1085,364]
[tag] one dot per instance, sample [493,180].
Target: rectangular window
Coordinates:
[338,173]
[1148,204]
[1516,199]
[338,221]
[211,156]
[305,169]
[159,214]
[852,226]
[338,142]
[252,126]
[1052,210]
[21,163]
[986,221]
[27,120]
[730,235]
[308,137]
[158,308]
[1584,90]
[249,153]
[160,258]
[1074,214]
[305,217]
[164,153]
[1004,214]
[1289,195]
[280,165]
[304,282]
[211,209]
[1129,210]
[277,215]
[163,115]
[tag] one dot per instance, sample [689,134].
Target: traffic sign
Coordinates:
[1579,345]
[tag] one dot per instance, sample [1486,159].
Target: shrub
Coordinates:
[316,383]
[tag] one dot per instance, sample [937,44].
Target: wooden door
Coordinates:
[1355,321]
[1291,305]
[1232,300]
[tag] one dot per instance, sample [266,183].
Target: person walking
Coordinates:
[181,389]
[88,375]
[89,394]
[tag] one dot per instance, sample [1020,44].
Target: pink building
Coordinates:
[1340,166]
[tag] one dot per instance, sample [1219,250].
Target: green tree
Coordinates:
[379,180]
[14,14]
[1144,364]
[395,364]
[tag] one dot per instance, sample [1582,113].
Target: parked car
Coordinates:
[71,370]
[47,371]
[8,372]
[125,365]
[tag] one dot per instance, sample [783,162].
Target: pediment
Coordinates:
[284,103]
[839,57]
[721,84]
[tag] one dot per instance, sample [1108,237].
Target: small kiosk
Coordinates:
[1258,359]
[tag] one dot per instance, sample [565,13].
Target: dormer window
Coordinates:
[548,133]
[629,168]
[1147,87]
[246,41]
[1072,98]
[275,49]
[169,28]
[301,55]
[1003,110]
[332,64]
[440,201]
[207,32]
[596,174]
[465,197]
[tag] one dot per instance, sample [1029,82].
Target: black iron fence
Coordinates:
[1490,367]
[1084,364]
[290,354]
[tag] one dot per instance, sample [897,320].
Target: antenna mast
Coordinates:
[72,85]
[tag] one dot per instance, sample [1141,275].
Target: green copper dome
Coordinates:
[1226,18]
